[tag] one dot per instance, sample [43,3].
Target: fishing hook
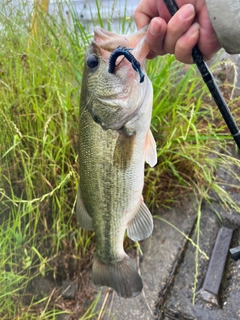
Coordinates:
[210,82]
[123,51]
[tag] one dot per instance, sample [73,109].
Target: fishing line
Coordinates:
[211,83]
[123,51]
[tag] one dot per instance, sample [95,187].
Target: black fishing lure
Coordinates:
[123,51]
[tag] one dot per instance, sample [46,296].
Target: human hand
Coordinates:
[178,34]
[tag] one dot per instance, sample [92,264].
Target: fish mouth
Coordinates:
[109,41]
[123,101]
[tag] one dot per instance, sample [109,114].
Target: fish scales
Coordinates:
[101,165]
[115,115]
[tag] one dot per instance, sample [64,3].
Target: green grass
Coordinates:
[40,83]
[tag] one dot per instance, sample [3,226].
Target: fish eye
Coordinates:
[92,61]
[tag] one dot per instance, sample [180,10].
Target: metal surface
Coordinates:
[211,285]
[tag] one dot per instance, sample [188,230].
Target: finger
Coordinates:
[141,19]
[155,36]
[178,25]
[184,46]
[142,15]
[208,43]
[144,12]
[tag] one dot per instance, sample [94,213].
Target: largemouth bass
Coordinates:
[114,142]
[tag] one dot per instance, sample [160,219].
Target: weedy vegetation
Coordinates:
[40,81]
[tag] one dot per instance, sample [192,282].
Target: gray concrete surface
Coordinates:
[178,303]
[168,267]
[161,254]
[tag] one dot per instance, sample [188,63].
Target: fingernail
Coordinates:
[187,12]
[155,28]
[195,29]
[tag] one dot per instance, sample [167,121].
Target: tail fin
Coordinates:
[120,275]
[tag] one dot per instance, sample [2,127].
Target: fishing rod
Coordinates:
[217,96]
[211,83]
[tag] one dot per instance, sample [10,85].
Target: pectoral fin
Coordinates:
[150,149]
[141,226]
[83,216]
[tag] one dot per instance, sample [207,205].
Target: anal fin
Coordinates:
[83,216]
[141,226]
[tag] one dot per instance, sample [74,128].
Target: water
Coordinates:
[112,11]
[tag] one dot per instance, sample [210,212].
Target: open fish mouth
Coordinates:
[125,93]
[109,41]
